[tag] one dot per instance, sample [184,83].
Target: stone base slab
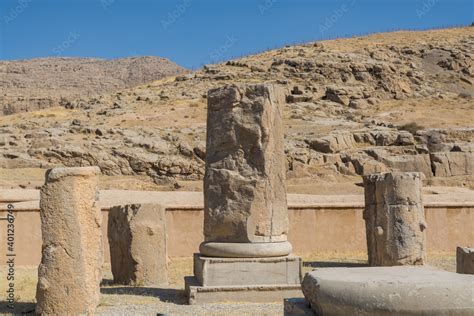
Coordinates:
[403,290]
[211,271]
[244,279]
[198,294]
[245,250]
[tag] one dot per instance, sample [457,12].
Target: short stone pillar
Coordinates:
[137,241]
[245,207]
[72,256]
[465,260]
[394,219]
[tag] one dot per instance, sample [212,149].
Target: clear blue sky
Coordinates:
[197,32]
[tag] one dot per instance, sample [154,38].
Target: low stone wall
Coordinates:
[318,224]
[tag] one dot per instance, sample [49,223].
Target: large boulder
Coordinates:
[409,163]
[333,143]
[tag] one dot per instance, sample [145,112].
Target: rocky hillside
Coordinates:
[28,85]
[401,100]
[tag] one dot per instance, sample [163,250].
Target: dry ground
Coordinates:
[123,300]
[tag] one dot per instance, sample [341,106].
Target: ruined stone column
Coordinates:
[71,266]
[245,208]
[394,219]
[137,240]
[245,255]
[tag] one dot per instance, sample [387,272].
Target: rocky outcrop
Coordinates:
[333,143]
[448,164]
[34,84]
[342,117]
[409,163]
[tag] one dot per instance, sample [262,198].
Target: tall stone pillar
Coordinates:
[394,219]
[245,208]
[71,266]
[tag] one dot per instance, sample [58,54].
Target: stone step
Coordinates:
[198,294]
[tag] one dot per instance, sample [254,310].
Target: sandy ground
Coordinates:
[123,300]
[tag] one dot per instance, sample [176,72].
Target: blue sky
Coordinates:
[197,32]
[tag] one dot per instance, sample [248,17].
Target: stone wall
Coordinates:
[322,228]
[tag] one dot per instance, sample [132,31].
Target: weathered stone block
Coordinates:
[394,218]
[465,260]
[333,143]
[210,271]
[409,163]
[71,266]
[244,189]
[404,290]
[137,239]
[448,164]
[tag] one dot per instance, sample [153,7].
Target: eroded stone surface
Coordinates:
[137,240]
[448,164]
[406,290]
[394,218]
[71,266]
[245,195]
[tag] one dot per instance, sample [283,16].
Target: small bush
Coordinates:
[411,127]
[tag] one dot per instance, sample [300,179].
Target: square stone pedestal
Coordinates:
[243,279]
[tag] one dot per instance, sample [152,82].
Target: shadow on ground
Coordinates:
[19,308]
[175,296]
[332,264]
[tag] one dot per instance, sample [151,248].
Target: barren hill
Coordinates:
[28,85]
[401,100]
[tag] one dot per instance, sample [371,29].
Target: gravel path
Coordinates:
[125,300]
